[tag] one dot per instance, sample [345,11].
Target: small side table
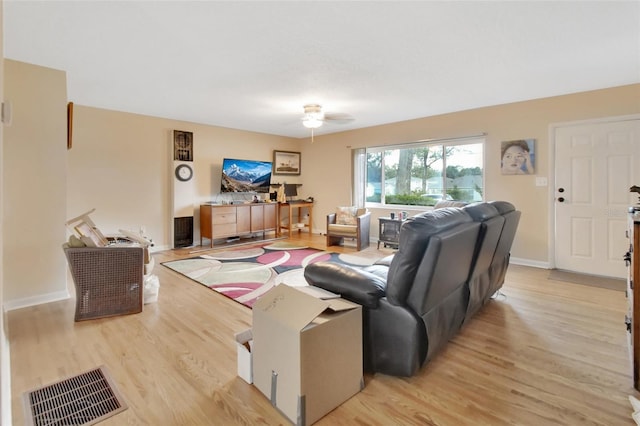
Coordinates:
[389,231]
[290,226]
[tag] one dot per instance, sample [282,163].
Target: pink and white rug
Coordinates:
[245,273]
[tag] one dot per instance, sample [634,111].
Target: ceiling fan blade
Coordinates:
[338,117]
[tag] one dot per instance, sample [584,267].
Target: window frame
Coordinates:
[361,179]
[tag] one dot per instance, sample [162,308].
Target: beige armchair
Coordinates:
[349,222]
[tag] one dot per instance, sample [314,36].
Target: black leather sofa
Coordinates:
[449,263]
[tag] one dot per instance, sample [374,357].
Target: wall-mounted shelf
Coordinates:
[280,184]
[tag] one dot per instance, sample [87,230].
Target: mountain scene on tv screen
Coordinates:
[241,176]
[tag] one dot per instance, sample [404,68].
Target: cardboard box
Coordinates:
[244,343]
[307,353]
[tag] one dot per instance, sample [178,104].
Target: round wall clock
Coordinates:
[184,172]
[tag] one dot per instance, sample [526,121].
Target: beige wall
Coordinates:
[34,189]
[5,361]
[327,176]
[120,164]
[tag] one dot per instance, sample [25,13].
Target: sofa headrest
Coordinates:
[415,234]
[481,212]
[436,220]
[503,207]
[449,203]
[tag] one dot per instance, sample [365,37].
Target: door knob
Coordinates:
[560,189]
[561,199]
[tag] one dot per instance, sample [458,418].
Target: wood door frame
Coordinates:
[551,238]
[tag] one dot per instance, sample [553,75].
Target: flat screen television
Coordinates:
[245,176]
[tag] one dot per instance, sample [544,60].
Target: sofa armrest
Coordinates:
[331,218]
[385,261]
[355,285]
[364,223]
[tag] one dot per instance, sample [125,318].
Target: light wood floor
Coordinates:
[548,352]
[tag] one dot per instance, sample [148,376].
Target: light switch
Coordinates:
[541,181]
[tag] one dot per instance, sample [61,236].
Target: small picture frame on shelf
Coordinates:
[286,163]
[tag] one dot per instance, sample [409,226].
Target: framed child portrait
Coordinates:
[518,157]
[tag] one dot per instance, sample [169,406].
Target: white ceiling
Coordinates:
[253,65]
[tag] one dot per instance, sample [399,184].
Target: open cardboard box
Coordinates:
[307,352]
[244,344]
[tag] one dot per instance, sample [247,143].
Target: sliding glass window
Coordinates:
[423,173]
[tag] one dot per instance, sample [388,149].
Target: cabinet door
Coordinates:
[223,219]
[243,219]
[205,221]
[270,215]
[257,218]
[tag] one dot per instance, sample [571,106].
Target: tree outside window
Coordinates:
[423,174]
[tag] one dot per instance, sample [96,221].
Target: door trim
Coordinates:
[552,173]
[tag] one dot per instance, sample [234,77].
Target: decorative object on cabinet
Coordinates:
[286,163]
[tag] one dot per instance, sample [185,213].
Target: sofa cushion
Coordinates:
[414,239]
[449,203]
[337,229]
[503,207]
[362,287]
[481,212]
[346,215]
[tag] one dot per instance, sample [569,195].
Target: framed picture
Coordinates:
[518,157]
[286,163]
[69,125]
[182,145]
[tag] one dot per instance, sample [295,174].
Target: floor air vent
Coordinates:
[85,399]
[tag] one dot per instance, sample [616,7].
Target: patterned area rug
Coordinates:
[245,273]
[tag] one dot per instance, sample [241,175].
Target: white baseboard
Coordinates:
[529,262]
[5,372]
[35,300]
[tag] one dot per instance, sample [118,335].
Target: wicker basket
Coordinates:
[108,280]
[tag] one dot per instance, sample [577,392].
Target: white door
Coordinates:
[595,165]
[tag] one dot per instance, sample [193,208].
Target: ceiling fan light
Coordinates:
[313,116]
[311,122]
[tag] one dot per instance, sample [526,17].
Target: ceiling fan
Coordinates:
[314,117]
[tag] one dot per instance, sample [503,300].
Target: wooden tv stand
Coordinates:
[234,220]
